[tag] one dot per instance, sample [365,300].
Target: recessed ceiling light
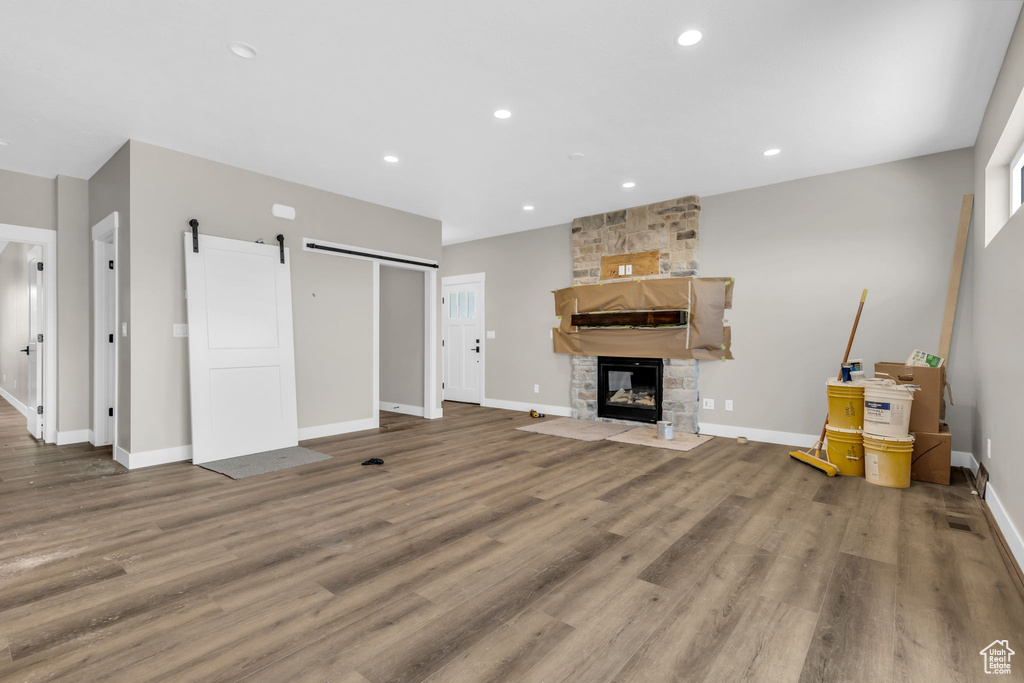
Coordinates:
[528,207]
[629,184]
[503,114]
[772,152]
[688,38]
[577,156]
[391,159]
[243,50]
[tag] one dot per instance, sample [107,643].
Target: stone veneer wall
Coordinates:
[671,227]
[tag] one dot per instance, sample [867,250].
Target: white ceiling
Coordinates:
[340,83]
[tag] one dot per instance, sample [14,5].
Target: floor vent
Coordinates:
[959,523]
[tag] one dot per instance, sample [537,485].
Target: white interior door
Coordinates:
[241,353]
[462,337]
[34,348]
[105,322]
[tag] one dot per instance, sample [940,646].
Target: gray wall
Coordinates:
[74,306]
[998,293]
[109,191]
[522,270]
[332,301]
[801,253]
[14,320]
[401,336]
[27,200]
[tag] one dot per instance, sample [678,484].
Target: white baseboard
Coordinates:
[1014,539]
[964,459]
[22,408]
[77,436]
[134,461]
[526,407]
[763,435]
[337,428]
[401,408]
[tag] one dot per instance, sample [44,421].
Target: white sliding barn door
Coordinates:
[241,353]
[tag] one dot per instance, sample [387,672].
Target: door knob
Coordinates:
[25,350]
[477,349]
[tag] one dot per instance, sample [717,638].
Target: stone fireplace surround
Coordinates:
[671,227]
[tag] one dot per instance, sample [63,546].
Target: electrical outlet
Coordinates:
[490,334]
[629,269]
[124,329]
[709,404]
[536,388]
[622,270]
[988,447]
[180,330]
[728,404]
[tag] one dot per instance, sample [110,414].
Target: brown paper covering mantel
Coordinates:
[705,300]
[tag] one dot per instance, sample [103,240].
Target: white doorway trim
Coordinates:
[431,302]
[480,279]
[47,239]
[104,396]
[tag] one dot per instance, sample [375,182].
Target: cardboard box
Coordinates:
[932,451]
[928,407]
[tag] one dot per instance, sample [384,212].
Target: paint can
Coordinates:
[665,430]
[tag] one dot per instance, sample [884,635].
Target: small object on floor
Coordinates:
[664,429]
[534,413]
[741,440]
[374,461]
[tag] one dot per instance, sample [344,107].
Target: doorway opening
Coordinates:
[28,380]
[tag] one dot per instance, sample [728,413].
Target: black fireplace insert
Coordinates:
[629,388]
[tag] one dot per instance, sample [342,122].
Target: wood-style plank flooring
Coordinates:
[482,553]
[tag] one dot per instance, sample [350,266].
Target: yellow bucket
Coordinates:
[887,460]
[845,405]
[846,450]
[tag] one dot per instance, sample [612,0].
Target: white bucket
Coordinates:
[887,409]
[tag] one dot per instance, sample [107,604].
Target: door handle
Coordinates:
[477,349]
[25,350]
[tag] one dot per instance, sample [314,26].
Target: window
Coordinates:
[1017,180]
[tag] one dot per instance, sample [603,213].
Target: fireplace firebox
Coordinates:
[629,388]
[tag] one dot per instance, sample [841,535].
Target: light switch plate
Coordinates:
[728,404]
[629,269]
[622,270]
[124,329]
[180,330]
[709,404]
[490,334]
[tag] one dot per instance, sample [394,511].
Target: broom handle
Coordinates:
[846,356]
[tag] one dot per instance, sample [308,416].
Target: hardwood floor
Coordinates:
[482,553]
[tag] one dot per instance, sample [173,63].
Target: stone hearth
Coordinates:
[672,228]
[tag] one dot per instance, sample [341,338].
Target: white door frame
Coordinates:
[47,239]
[431,302]
[480,279]
[104,232]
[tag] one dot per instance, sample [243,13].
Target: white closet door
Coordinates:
[241,352]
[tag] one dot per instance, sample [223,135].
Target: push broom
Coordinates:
[817,459]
